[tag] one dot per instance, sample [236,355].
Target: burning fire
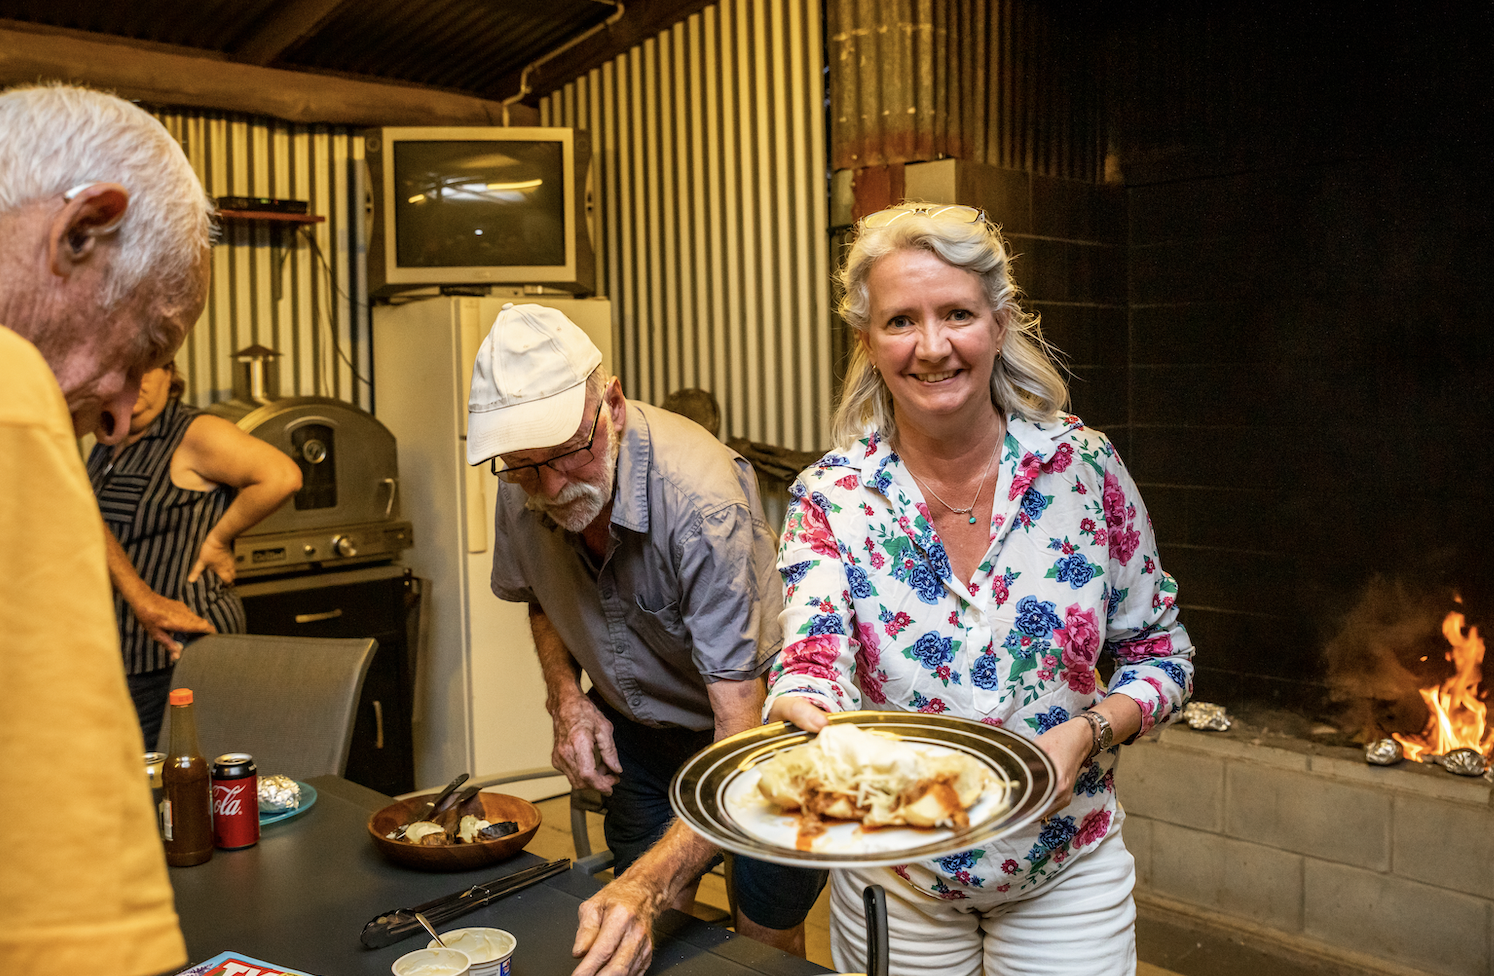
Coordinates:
[1457,718]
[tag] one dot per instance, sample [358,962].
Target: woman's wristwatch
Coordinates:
[1099,727]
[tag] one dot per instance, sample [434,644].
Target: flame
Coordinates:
[1457,714]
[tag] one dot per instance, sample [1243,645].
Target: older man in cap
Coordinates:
[639,543]
[103,268]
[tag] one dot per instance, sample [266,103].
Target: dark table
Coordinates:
[301,897]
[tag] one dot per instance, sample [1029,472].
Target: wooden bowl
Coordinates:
[454,857]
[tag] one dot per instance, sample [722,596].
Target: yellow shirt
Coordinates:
[83,884]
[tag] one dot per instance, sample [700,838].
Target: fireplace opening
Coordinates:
[1408,664]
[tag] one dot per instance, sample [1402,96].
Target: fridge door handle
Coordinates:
[477,511]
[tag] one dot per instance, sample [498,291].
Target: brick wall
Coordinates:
[1310,362]
[1310,366]
[1310,845]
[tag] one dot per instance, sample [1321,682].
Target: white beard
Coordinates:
[577,505]
[580,502]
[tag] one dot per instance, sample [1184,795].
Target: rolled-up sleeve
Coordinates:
[507,580]
[819,654]
[730,594]
[1152,648]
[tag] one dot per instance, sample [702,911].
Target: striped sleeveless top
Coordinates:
[161,528]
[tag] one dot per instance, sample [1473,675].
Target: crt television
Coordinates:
[478,206]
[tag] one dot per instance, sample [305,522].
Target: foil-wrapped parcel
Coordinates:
[1202,715]
[278,794]
[1464,762]
[1383,752]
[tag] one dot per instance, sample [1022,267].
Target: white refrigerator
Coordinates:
[479,696]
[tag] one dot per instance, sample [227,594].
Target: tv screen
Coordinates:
[479,203]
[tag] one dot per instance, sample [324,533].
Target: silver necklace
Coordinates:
[982,487]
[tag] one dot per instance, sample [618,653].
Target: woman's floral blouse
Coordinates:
[874,618]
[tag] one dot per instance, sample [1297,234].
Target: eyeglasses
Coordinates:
[563,463]
[950,213]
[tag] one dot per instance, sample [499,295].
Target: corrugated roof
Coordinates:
[476,47]
[469,45]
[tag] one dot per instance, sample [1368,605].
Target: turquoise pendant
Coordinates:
[972,520]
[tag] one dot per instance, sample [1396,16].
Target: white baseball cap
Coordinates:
[528,383]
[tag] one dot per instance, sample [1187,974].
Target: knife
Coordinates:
[400,923]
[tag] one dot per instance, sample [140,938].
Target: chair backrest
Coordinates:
[290,702]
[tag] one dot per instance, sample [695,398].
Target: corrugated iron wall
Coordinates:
[1012,83]
[711,205]
[298,289]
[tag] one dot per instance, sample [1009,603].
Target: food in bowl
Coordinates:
[453,855]
[847,773]
[419,831]
[474,829]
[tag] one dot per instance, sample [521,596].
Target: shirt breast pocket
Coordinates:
[120,497]
[662,629]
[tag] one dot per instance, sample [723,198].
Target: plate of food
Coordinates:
[281,798]
[873,788]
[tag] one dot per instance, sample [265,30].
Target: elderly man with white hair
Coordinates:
[103,269]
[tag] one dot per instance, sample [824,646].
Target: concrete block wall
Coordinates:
[1312,844]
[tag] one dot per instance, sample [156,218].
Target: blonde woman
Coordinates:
[969,549]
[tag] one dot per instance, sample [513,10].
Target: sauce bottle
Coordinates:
[187,791]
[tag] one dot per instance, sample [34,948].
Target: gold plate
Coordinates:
[712,792]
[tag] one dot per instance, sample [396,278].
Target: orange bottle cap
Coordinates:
[181,696]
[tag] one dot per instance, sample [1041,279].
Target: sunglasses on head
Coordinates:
[953,213]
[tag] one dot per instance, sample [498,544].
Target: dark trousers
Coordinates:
[150,692]
[638,813]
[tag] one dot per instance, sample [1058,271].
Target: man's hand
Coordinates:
[216,556]
[160,616]
[615,937]
[582,736]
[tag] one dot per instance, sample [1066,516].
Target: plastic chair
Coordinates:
[290,702]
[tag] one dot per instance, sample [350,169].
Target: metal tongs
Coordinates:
[400,923]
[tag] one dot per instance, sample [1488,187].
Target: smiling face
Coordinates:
[933,337]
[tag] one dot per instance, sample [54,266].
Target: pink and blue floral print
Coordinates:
[874,618]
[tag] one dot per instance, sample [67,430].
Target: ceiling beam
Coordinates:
[186,77]
[281,29]
[641,20]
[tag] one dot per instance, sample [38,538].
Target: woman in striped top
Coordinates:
[174,496]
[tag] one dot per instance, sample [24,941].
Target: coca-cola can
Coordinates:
[235,801]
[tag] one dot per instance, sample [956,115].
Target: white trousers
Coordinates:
[1082,923]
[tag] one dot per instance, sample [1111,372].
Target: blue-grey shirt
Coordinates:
[688,591]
